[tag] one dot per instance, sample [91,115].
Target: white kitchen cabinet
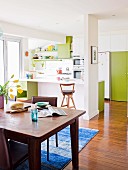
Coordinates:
[118,42]
[111,41]
[78,46]
[104,43]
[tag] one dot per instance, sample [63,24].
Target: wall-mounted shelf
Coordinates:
[43,61]
[47,53]
[39,60]
[53,53]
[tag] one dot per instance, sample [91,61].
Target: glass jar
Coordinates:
[34,115]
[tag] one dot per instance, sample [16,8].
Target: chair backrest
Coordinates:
[52,100]
[5,161]
[67,87]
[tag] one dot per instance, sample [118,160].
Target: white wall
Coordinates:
[91,70]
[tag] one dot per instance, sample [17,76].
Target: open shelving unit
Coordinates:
[51,53]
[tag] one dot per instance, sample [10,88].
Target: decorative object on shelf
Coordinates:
[94,55]
[50,48]
[26,53]
[29,76]
[59,71]
[40,48]
[56,47]
[7,90]
[35,56]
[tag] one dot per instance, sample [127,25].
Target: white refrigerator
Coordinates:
[104,71]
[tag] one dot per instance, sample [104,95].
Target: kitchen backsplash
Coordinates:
[51,67]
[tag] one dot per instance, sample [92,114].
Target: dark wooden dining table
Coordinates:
[19,127]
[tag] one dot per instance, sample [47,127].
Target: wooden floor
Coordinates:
[108,150]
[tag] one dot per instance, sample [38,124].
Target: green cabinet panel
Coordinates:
[127,80]
[32,89]
[101,96]
[69,39]
[29,89]
[119,76]
[63,51]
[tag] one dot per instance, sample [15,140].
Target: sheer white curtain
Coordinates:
[13,59]
[1,63]
[10,58]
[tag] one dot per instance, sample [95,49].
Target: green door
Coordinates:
[127,77]
[119,76]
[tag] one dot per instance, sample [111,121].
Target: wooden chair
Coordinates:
[12,153]
[67,90]
[53,102]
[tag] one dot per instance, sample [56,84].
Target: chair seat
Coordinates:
[18,151]
[68,92]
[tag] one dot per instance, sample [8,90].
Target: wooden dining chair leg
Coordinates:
[56,136]
[63,101]
[68,102]
[48,149]
[73,102]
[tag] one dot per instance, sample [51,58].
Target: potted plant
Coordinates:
[6,90]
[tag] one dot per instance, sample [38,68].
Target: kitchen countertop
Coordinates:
[52,80]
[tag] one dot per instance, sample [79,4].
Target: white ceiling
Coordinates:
[65,16]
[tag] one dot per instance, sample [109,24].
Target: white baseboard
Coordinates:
[87,116]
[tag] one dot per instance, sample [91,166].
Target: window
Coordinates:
[10,58]
[13,58]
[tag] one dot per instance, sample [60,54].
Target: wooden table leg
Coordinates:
[74,144]
[34,149]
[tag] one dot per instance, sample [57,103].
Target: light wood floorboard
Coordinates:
[108,150]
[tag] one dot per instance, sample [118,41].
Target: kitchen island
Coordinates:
[50,87]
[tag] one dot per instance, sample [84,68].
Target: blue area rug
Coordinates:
[60,156]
